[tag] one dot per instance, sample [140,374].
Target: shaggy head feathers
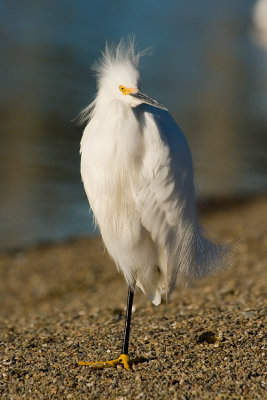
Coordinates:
[116,60]
[118,65]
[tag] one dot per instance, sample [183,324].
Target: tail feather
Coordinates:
[195,256]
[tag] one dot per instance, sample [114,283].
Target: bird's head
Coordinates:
[118,76]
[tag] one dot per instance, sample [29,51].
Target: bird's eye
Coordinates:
[122,88]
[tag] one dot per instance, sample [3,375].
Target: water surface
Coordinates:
[207,67]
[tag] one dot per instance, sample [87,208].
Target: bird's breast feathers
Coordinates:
[132,164]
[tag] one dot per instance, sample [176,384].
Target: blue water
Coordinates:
[207,67]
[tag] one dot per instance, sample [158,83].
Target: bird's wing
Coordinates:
[166,190]
[165,201]
[166,177]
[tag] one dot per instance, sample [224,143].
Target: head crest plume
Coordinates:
[116,54]
[124,51]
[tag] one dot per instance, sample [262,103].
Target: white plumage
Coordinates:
[137,171]
[259,19]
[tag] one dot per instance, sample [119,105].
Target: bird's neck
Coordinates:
[106,104]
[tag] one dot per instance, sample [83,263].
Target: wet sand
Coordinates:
[65,302]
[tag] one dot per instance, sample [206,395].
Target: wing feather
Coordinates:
[165,201]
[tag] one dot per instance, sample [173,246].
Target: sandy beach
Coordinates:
[65,302]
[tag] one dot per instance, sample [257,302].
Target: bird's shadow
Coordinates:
[141,360]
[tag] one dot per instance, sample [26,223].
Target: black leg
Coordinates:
[123,359]
[128,321]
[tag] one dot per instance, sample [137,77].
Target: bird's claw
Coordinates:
[123,360]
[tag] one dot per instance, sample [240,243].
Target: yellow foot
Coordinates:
[122,360]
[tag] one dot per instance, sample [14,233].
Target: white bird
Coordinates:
[137,172]
[259,19]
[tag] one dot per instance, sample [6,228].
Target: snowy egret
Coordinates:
[137,171]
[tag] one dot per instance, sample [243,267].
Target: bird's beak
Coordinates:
[146,99]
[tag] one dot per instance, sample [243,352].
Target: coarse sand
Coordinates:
[64,302]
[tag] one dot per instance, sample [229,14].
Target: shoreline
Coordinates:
[205,206]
